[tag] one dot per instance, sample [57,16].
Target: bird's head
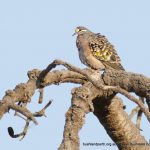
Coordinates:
[81,30]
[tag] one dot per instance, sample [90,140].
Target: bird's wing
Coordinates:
[104,51]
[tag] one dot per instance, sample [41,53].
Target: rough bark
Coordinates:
[131,82]
[96,94]
[118,124]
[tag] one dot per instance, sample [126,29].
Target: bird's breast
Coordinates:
[86,55]
[82,49]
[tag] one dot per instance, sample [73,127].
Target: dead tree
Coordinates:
[96,94]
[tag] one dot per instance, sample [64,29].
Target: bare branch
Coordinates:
[118,125]
[131,82]
[42,112]
[108,109]
[24,132]
[23,111]
[97,82]
[134,112]
[98,89]
[81,105]
[132,98]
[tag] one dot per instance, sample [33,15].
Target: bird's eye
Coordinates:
[77,30]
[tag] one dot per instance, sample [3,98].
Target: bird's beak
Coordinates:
[74,34]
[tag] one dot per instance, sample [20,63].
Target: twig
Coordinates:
[20,116]
[23,111]
[25,129]
[148,103]
[23,133]
[139,112]
[41,91]
[132,98]
[22,105]
[134,111]
[139,115]
[70,67]
[42,111]
[138,120]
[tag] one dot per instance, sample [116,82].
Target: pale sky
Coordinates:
[33,33]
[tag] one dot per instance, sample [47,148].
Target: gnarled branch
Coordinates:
[96,94]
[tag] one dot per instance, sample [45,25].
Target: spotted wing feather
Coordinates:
[104,51]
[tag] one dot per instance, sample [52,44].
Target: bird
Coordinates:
[95,51]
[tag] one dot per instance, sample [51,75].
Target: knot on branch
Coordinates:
[81,98]
[33,74]
[26,95]
[10,93]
